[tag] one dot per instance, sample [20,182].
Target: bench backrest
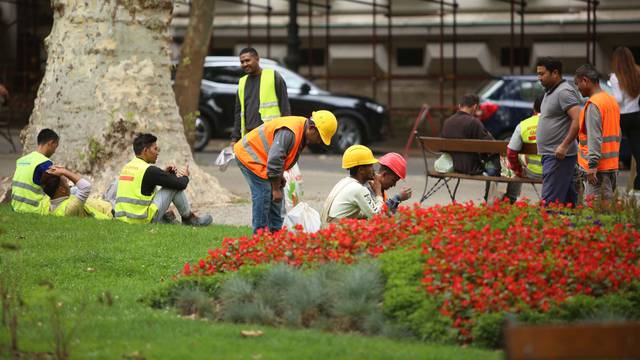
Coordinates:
[576,341]
[438,145]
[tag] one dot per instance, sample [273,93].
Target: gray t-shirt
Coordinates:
[554,122]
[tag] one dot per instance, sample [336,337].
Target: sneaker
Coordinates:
[195,220]
[169,218]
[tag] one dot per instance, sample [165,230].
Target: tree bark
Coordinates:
[107,78]
[194,49]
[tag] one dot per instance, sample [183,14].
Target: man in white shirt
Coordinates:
[350,198]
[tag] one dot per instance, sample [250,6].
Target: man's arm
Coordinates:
[283,141]
[235,134]
[368,204]
[570,103]
[513,149]
[593,121]
[283,96]
[154,176]
[40,170]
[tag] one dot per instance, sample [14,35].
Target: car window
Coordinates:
[490,90]
[293,80]
[223,74]
[530,90]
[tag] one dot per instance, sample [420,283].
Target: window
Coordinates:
[410,56]
[223,74]
[317,56]
[221,52]
[530,90]
[521,56]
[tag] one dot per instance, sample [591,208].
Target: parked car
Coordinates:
[507,100]
[361,120]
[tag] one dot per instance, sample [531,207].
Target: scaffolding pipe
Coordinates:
[269,11]
[441,88]
[594,31]
[327,42]
[310,42]
[523,4]
[455,53]
[389,62]
[374,43]
[249,23]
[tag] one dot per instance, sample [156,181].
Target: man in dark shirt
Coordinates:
[250,88]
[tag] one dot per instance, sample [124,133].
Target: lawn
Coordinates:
[87,261]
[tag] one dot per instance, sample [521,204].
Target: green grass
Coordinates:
[84,258]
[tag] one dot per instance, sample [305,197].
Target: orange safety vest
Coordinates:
[610,148]
[253,150]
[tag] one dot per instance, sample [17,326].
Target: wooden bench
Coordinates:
[436,145]
[610,340]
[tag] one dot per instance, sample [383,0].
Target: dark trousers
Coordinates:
[630,125]
[558,179]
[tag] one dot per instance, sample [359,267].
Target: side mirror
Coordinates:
[304,89]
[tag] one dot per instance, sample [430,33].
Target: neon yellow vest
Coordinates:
[528,133]
[268,109]
[131,205]
[27,196]
[95,208]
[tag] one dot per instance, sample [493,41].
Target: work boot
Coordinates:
[169,218]
[195,220]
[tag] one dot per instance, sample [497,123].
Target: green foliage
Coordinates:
[488,330]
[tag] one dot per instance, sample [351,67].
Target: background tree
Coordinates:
[194,49]
[107,78]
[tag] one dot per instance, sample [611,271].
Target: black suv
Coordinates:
[361,120]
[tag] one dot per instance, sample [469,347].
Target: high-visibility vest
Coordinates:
[610,147]
[131,205]
[27,196]
[95,208]
[268,107]
[253,150]
[528,134]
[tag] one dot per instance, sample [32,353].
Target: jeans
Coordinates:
[630,124]
[164,198]
[265,213]
[558,182]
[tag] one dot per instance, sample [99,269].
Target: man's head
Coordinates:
[54,186]
[393,167]
[47,142]
[359,160]
[250,61]
[322,126]
[537,104]
[388,178]
[146,148]
[587,79]
[549,72]
[469,103]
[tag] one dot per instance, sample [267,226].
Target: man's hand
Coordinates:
[232,143]
[276,195]
[405,194]
[377,184]
[592,176]
[171,169]
[56,170]
[561,151]
[184,172]
[283,182]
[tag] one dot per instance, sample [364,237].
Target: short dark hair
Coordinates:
[249,50]
[50,184]
[537,104]
[385,169]
[550,64]
[469,100]
[46,135]
[143,141]
[588,71]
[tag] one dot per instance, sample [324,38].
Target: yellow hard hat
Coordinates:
[326,124]
[357,155]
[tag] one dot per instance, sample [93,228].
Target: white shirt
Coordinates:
[627,104]
[354,201]
[81,190]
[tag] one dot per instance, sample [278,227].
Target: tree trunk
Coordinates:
[108,78]
[194,49]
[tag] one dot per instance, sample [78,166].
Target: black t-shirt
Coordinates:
[154,176]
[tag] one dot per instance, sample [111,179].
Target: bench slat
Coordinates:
[502,179]
[436,144]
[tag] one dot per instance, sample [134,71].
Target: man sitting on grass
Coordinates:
[138,202]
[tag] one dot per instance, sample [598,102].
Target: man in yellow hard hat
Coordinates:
[268,150]
[350,197]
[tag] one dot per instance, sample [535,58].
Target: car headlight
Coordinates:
[374,107]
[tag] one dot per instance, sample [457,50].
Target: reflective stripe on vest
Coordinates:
[528,134]
[27,196]
[268,107]
[89,209]
[131,205]
[611,135]
[253,150]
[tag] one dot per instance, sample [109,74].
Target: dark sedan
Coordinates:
[361,120]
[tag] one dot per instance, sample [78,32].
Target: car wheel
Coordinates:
[203,133]
[348,133]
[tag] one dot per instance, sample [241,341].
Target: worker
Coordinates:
[262,95]
[27,195]
[267,151]
[138,202]
[393,167]
[350,198]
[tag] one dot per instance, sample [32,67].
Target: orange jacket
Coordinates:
[253,149]
[610,148]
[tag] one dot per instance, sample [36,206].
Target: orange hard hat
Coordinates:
[396,163]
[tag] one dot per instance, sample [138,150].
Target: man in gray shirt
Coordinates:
[556,133]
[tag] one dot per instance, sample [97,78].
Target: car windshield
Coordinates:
[488,89]
[293,80]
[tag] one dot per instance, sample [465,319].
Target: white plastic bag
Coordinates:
[444,164]
[225,157]
[305,215]
[293,187]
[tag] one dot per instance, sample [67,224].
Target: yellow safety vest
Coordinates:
[95,208]
[27,196]
[131,205]
[269,108]
[528,133]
